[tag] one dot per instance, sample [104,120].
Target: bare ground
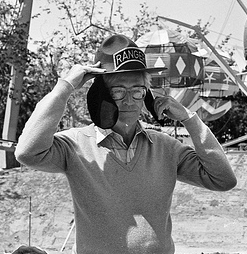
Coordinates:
[203,221]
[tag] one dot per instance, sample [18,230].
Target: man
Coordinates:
[121,176]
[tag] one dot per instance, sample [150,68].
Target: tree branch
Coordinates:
[90,19]
[111,12]
[70,18]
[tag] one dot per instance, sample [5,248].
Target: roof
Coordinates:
[235,141]
[7,145]
[170,130]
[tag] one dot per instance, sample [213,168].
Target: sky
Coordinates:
[226,16]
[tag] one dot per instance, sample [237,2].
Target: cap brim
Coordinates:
[149,70]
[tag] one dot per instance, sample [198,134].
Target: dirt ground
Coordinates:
[203,221]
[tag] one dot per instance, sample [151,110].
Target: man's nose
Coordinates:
[128,99]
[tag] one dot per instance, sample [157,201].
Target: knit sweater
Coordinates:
[123,208]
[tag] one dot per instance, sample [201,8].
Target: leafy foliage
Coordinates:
[234,123]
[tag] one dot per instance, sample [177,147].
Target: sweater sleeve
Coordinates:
[37,147]
[206,165]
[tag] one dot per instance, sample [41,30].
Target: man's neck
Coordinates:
[126,131]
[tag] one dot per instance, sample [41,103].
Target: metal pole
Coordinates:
[242,5]
[245,29]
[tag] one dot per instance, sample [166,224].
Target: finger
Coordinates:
[91,72]
[159,107]
[95,68]
[156,105]
[165,113]
[163,110]
[97,65]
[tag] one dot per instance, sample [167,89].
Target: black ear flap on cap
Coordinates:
[149,103]
[102,108]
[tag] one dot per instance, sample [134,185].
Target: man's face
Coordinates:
[129,92]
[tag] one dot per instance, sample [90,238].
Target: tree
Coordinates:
[234,123]
[83,26]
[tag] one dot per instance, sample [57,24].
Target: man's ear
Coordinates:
[149,103]
[102,108]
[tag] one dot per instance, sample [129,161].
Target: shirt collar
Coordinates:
[101,134]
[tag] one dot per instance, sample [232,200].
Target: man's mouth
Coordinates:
[127,111]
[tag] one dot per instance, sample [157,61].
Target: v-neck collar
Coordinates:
[130,165]
[92,131]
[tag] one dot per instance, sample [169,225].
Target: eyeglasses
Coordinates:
[119,92]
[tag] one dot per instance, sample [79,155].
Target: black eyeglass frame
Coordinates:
[144,92]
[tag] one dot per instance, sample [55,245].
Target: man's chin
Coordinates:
[128,116]
[127,121]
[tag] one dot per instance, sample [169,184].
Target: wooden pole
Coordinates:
[30,221]
[7,159]
[67,238]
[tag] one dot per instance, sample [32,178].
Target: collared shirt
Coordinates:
[114,141]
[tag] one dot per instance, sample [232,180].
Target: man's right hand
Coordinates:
[80,74]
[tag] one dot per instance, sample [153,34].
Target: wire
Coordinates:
[234,38]
[219,33]
[226,20]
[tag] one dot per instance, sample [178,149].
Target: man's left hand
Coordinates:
[167,105]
